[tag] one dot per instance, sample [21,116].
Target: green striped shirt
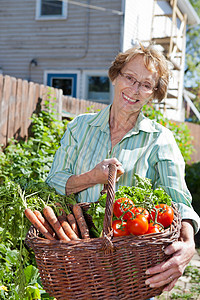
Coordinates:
[148,149]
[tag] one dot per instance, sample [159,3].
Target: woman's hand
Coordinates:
[98,175]
[101,170]
[167,273]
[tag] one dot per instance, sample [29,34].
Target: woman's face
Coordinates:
[134,86]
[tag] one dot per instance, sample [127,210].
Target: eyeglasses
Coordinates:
[144,87]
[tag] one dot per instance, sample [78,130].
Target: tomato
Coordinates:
[142,211]
[121,205]
[138,225]
[165,214]
[120,228]
[154,228]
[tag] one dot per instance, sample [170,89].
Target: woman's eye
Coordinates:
[129,78]
[147,86]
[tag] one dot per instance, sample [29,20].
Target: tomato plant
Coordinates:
[138,225]
[120,228]
[165,214]
[122,205]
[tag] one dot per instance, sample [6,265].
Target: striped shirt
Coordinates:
[148,149]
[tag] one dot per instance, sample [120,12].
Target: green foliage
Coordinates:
[192,178]
[15,285]
[33,158]
[180,130]
[24,166]
[192,70]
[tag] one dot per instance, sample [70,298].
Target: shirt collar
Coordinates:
[101,120]
[144,124]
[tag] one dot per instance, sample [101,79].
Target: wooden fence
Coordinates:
[19,99]
[195,132]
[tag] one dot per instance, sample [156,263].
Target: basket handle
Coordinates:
[107,224]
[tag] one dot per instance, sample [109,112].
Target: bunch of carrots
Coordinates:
[63,226]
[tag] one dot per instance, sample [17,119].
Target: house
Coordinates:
[70,44]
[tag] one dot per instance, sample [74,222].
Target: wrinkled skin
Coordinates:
[167,273]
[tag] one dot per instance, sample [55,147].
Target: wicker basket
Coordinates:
[102,268]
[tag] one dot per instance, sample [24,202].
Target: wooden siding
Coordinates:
[137,23]
[87,39]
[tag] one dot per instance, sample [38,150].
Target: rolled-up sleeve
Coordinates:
[189,213]
[63,163]
[171,177]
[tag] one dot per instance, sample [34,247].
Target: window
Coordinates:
[65,84]
[51,9]
[65,80]
[97,87]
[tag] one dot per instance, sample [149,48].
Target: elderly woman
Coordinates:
[121,135]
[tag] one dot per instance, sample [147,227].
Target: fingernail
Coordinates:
[166,251]
[152,285]
[147,282]
[147,272]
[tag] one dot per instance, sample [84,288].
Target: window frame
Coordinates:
[87,73]
[65,73]
[40,17]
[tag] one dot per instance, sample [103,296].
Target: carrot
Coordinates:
[78,213]
[37,224]
[73,224]
[53,221]
[70,218]
[67,228]
[44,222]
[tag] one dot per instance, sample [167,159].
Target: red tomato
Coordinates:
[142,211]
[121,205]
[120,228]
[154,228]
[165,215]
[138,225]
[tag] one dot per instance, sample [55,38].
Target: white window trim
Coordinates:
[52,17]
[95,73]
[46,72]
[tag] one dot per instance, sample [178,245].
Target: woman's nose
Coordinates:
[136,86]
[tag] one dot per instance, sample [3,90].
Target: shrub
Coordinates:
[180,130]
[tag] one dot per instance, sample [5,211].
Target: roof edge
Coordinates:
[186,7]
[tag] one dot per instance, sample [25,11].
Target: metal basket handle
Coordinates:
[107,224]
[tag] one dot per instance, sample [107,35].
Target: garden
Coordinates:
[24,166]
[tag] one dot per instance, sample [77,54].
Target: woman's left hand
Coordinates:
[167,273]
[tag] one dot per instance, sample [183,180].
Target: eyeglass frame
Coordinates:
[139,83]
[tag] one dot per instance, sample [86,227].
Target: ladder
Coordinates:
[169,31]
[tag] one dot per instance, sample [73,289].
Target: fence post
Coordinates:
[6,91]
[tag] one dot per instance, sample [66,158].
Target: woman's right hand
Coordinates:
[101,170]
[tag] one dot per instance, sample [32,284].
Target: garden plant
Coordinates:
[24,166]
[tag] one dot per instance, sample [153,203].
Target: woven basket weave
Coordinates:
[102,268]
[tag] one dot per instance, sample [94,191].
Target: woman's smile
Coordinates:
[128,98]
